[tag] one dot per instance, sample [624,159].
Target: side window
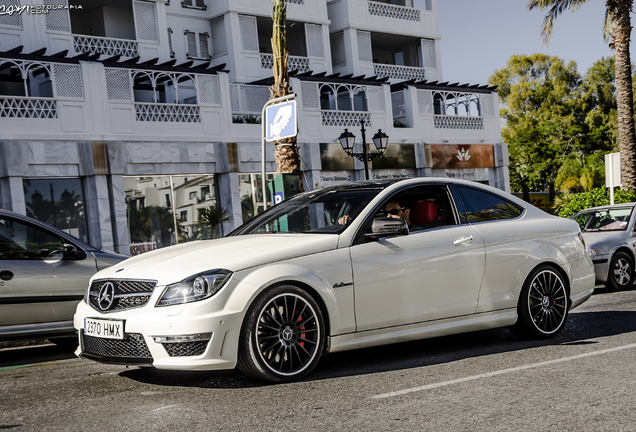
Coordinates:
[424,207]
[481,206]
[19,241]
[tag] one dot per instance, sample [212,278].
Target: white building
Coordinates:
[130,115]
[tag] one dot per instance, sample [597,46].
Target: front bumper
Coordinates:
[601,267]
[146,330]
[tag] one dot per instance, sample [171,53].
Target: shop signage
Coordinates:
[139,248]
[462,156]
[334,158]
[396,156]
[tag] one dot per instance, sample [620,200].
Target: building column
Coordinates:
[14,166]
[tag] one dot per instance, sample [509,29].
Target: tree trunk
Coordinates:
[285,151]
[619,16]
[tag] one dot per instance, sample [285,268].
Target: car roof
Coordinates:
[608,206]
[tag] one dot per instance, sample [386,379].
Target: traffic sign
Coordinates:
[281,121]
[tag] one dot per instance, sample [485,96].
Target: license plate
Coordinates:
[107,329]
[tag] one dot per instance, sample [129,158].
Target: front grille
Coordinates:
[133,347]
[185,349]
[128,294]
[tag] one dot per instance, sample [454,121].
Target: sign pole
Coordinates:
[263,139]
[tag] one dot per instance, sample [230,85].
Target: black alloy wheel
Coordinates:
[283,336]
[621,272]
[543,305]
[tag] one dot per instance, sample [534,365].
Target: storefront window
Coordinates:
[251,194]
[58,202]
[159,207]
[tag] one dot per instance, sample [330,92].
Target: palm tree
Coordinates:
[210,218]
[581,173]
[618,28]
[286,150]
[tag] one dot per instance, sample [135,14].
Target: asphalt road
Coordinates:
[583,380]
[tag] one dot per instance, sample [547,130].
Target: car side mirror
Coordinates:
[388,227]
[72,253]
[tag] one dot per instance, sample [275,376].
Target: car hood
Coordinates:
[175,263]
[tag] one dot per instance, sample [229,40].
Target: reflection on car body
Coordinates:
[293,283]
[43,275]
[610,236]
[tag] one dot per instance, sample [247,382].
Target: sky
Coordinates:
[480,36]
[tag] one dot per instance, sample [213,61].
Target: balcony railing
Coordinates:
[457,122]
[248,99]
[167,112]
[107,46]
[400,73]
[385,10]
[25,107]
[345,118]
[300,64]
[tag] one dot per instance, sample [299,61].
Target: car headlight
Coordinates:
[591,252]
[195,288]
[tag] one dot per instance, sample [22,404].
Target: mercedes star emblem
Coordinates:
[106,296]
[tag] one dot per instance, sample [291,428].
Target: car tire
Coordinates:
[621,272]
[543,305]
[283,336]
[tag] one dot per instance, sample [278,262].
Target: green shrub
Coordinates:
[568,204]
[399,124]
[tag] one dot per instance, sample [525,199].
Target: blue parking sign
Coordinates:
[281,121]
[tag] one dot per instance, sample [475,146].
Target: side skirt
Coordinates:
[424,330]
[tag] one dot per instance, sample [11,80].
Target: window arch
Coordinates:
[439,104]
[186,90]
[327,98]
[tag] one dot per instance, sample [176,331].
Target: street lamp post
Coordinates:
[347,141]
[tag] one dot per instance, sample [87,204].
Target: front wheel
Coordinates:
[543,305]
[283,336]
[621,272]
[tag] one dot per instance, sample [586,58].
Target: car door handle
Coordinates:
[464,240]
[6,275]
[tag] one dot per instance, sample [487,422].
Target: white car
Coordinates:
[328,271]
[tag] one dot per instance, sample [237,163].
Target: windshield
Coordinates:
[604,220]
[321,211]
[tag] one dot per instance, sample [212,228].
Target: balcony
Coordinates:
[399,73]
[294,63]
[31,108]
[167,113]
[127,28]
[305,43]
[247,102]
[386,10]
[106,46]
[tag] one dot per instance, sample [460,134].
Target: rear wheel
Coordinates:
[543,305]
[282,337]
[621,272]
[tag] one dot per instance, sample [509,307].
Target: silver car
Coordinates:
[44,273]
[610,238]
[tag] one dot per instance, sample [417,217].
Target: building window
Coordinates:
[252,195]
[151,203]
[194,4]
[172,54]
[193,195]
[197,45]
[161,87]
[58,202]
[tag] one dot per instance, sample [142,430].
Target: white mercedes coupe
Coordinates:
[357,265]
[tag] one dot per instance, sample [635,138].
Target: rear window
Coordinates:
[604,220]
[482,206]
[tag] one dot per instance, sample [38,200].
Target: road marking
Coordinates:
[163,408]
[500,372]
[15,367]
